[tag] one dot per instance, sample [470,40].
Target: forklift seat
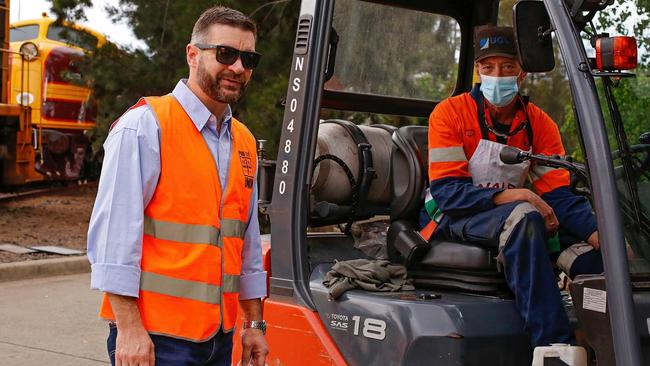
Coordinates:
[437,263]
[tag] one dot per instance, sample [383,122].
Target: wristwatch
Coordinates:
[255,324]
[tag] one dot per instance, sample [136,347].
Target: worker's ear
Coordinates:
[522,74]
[192,55]
[521,77]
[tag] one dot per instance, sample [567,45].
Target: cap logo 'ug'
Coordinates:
[484,43]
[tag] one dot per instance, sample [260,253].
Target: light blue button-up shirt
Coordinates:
[129,178]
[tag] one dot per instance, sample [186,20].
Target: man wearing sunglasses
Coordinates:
[474,196]
[174,239]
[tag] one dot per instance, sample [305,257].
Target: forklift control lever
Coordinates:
[512,155]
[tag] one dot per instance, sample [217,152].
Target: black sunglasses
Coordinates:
[228,55]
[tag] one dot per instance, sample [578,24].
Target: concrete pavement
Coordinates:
[51,321]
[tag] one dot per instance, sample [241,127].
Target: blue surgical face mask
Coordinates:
[499,90]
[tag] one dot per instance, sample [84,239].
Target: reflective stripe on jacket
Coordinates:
[193,230]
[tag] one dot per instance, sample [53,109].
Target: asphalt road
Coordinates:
[51,321]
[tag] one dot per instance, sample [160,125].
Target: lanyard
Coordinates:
[486,128]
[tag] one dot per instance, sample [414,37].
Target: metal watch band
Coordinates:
[255,324]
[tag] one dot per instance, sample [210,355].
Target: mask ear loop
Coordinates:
[521,75]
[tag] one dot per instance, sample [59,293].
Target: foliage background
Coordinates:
[120,76]
[551,90]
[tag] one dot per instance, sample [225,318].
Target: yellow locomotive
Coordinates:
[45,80]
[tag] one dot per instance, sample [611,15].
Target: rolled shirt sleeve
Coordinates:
[252,281]
[129,176]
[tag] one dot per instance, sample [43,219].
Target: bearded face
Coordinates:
[224,87]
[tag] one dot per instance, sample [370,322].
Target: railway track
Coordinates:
[39,191]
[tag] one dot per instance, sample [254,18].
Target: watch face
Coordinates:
[261,326]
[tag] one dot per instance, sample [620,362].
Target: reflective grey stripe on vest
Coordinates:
[570,254]
[539,171]
[446,154]
[230,283]
[233,228]
[185,289]
[516,215]
[184,233]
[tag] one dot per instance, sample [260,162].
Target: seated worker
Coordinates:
[475,197]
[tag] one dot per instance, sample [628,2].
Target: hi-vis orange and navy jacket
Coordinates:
[454,134]
[193,230]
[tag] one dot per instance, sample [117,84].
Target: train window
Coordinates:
[72,36]
[24,33]
[393,51]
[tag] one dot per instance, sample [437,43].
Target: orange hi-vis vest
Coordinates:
[193,230]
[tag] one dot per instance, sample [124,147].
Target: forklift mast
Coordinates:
[627,346]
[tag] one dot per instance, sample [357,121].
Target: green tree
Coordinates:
[551,91]
[393,52]
[121,75]
[630,18]
[633,98]
[632,95]
[403,53]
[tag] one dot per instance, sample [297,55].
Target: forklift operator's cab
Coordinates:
[353,155]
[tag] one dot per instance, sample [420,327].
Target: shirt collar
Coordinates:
[198,112]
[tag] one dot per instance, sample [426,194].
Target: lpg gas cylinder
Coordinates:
[330,182]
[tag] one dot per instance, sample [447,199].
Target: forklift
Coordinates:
[398,58]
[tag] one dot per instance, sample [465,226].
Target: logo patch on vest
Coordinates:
[247,168]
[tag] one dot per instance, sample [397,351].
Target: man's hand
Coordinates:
[254,347]
[593,240]
[522,194]
[133,346]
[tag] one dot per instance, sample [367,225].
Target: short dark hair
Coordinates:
[221,15]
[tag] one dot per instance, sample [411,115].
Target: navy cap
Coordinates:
[494,41]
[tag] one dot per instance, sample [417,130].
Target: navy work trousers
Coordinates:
[527,266]
[177,352]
